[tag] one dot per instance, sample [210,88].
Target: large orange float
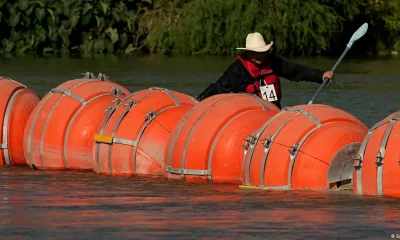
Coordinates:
[16,105]
[206,146]
[132,139]
[60,130]
[303,147]
[377,165]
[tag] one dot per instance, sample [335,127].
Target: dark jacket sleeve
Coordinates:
[231,81]
[295,72]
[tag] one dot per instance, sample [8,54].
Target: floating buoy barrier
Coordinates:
[303,147]
[206,146]
[60,130]
[16,105]
[377,165]
[132,139]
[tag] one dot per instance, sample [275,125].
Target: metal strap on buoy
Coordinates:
[110,111]
[110,140]
[114,91]
[267,144]
[45,124]
[297,146]
[6,122]
[87,75]
[380,155]
[182,170]
[214,144]
[202,172]
[168,168]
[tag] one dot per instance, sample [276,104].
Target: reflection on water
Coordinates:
[82,205]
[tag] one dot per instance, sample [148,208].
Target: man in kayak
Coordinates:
[256,71]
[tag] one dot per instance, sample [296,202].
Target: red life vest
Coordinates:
[264,72]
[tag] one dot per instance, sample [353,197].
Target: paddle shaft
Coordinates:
[327,79]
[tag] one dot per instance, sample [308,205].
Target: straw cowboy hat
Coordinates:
[255,42]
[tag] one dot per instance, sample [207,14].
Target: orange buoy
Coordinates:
[132,139]
[377,165]
[303,147]
[59,131]
[206,146]
[16,105]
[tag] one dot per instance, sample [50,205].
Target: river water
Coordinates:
[83,205]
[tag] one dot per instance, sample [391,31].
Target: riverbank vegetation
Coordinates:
[191,27]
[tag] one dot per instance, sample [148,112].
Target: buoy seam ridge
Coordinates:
[175,136]
[6,122]
[41,104]
[266,150]
[148,120]
[294,153]
[381,156]
[66,137]
[361,152]
[129,104]
[193,128]
[121,117]
[48,118]
[111,109]
[216,139]
[249,154]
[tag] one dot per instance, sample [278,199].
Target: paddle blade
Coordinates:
[358,34]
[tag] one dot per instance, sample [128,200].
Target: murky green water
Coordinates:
[82,205]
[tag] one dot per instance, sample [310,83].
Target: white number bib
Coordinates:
[268,93]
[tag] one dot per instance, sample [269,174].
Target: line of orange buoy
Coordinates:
[377,167]
[92,123]
[65,121]
[132,138]
[206,145]
[305,146]
[17,104]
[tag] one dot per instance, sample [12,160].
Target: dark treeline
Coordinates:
[191,27]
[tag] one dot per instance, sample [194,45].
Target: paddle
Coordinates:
[357,35]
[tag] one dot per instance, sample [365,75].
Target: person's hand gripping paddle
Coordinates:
[357,35]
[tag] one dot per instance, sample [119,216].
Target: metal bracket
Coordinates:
[293,149]
[129,104]
[88,75]
[379,160]
[103,77]
[158,88]
[116,91]
[267,142]
[115,102]
[251,140]
[3,146]
[359,161]
[108,109]
[247,145]
[151,114]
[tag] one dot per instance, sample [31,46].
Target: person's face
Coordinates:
[256,57]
